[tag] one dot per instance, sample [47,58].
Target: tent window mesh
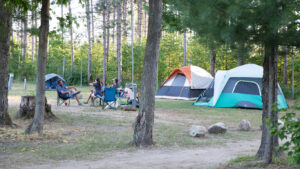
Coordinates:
[246,88]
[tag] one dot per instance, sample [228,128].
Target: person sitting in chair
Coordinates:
[115,84]
[97,92]
[65,92]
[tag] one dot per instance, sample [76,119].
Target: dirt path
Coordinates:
[204,157]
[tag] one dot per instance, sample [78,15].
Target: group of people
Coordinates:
[66,92]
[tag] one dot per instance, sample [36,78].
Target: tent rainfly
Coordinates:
[50,81]
[238,87]
[185,83]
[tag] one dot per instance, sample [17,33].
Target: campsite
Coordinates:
[140,84]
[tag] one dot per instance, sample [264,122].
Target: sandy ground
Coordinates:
[204,157]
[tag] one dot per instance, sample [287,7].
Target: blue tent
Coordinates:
[50,81]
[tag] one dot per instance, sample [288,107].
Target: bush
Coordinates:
[287,91]
[291,129]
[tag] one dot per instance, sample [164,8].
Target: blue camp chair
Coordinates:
[98,97]
[109,97]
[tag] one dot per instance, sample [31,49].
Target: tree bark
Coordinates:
[284,66]
[132,41]
[143,125]
[240,54]
[93,24]
[139,22]
[113,22]
[145,19]
[24,46]
[62,38]
[5,28]
[213,62]
[107,29]
[38,120]
[269,99]
[27,107]
[293,75]
[119,42]
[71,36]
[32,36]
[36,37]
[124,19]
[184,49]
[104,41]
[87,5]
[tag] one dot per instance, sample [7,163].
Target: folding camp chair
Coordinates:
[109,98]
[98,97]
[61,101]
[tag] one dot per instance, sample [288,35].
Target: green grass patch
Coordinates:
[90,143]
[91,120]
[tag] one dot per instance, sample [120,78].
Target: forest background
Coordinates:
[24,45]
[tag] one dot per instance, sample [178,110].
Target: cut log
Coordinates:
[27,107]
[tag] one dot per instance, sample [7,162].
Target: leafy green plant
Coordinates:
[290,132]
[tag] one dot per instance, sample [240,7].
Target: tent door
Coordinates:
[178,85]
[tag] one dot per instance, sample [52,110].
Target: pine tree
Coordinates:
[38,120]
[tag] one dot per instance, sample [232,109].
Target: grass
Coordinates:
[250,161]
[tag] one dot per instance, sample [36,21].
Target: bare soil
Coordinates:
[204,157]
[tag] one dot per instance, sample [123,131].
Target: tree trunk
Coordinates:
[124,19]
[5,27]
[269,99]
[104,41]
[139,22]
[284,66]
[145,19]
[32,37]
[293,75]
[213,62]
[27,107]
[93,24]
[143,125]
[36,37]
[89,39]
[119,42]
[184,49]
[62,39]
[38,120]
[71,36]
[240,54]
[108,30]
[132,41]
[113,22]
[24,46]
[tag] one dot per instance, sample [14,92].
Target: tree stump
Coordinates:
[27,108]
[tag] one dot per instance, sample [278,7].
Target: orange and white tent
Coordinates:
[185,83]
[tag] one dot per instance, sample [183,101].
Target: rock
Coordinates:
[281,124]
[244,125]
[197,131]
[217,128]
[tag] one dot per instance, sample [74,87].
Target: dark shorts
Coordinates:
[66,96]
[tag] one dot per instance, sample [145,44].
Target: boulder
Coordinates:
[244,125]
[281,124]
[217,128]
[197,131]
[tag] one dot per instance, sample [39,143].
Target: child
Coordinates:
[98,90]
